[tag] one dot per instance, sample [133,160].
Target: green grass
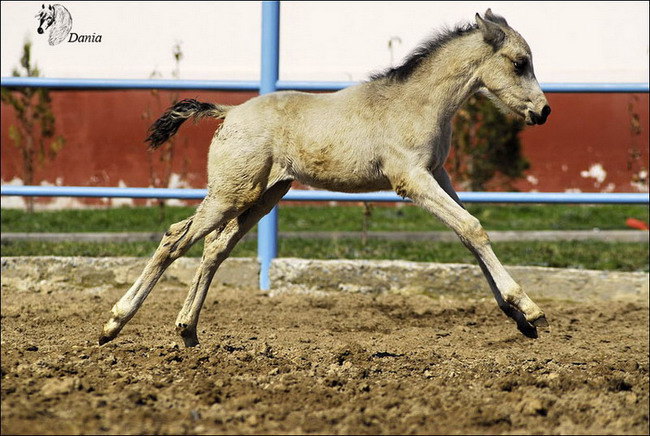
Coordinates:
[493,217]
[561,254]
[576,254]
[341,218]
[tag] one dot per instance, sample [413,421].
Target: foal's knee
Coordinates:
[176,240]
[472,232]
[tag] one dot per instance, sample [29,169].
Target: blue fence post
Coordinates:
[267,229]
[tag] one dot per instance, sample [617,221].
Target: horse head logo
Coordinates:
[56,18]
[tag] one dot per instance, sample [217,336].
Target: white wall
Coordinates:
[571,41]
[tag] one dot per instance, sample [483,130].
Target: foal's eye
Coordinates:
[520,66]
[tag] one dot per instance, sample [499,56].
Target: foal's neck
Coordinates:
[448,77]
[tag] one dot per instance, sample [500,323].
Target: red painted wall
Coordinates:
[588,129]
[104,133]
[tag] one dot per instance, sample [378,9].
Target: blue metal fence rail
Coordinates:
[253,85]
[267,230]
[314,195]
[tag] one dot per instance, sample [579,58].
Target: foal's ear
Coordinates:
[492,33]
[489,15]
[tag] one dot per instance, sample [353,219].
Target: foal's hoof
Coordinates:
[104,339]
[190,340]
[189,335]
[540,322]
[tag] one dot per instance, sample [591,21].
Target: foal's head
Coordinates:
[507,74]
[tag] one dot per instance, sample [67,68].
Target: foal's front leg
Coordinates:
[443,180]
[421,186]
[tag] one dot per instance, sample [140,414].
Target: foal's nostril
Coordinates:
[40,30]
[540,118]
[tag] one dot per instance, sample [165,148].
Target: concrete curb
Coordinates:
[51,273]
[440,236]
[464,280]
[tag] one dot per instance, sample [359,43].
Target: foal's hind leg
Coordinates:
[425,191]
[176,241]
[217,248]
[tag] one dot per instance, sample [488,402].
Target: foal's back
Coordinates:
[329,141]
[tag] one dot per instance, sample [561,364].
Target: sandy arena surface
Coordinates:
[335,363]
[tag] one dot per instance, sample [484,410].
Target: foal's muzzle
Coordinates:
[541,117]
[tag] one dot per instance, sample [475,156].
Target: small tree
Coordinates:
[34,133]
[635,162]
[485,147]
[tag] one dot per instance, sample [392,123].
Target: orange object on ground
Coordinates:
[636,224]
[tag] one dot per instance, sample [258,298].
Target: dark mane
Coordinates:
[424,50]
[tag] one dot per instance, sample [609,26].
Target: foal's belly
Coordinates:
[346,184]
[342,176]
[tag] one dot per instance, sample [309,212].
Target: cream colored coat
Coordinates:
[381,134]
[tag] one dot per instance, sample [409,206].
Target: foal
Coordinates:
[391,132]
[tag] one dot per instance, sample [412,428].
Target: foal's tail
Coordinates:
[167,125]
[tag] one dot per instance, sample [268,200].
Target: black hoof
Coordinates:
[190,342]
[104,339]
[189,335]
[540,322]
[527,329]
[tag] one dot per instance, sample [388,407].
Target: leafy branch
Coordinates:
[34,135]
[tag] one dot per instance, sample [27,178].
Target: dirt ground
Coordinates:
[337,363]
